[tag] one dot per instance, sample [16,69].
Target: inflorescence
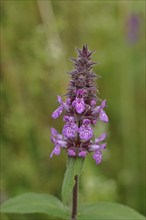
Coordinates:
[81,112]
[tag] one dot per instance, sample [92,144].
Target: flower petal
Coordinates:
[62,143]
[71,153]
[57,112]
[101,138]
[86,121]
[55,151]
[85,133]
[103,104]
[59,99]
[93,103]
[79,105]
[54,132]
[94,147]
[103,146]
[69,132]
[97,156]
[82,153]
[103,116]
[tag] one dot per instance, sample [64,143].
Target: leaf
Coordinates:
[108,211]
[68,181]
[74,167]
[36,203]
[78,166]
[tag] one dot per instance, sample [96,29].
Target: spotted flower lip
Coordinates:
[69,131]
[70,128]
[82,110]
[79,105]
[97,157]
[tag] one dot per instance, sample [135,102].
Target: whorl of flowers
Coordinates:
[81,112]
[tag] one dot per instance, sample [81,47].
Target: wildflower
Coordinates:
[79,105]
[58,141]
[85,131]
[71,153]
[62,106]
[133,28]
[100,112]
[82,153]
[70,128]
[81,112]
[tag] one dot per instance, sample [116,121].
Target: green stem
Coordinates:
[75,199]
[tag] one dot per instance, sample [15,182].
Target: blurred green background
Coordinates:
[37,40]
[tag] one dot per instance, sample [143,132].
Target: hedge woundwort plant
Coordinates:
[82,111]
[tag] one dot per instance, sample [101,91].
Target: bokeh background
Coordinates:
[37,40]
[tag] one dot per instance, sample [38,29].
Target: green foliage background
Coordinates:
[37,39]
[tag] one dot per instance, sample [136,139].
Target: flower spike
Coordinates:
[82,110]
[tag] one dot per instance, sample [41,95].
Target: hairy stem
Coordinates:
[75,199]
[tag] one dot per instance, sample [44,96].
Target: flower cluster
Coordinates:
[81,112]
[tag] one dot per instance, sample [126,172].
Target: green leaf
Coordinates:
[74,167]
[68,181]
[78,165]
[108,211]
[36,203]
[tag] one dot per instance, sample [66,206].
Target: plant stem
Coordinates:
[75,199]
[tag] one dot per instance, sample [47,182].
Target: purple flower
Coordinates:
[70,129]
[55,151]
[99,112]
[79,105]
[58,141]
[133,28]
[93,103]
[81,111]
[97,156]
[55,136]
[85,131]
[103,116]
[71,153]
[57,112]
[82,153]
[97,147]
[101,138]
[62,106]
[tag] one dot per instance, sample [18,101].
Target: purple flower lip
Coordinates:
[79,105]
[57,112]
[81,110]
[85,132]
[56,151]
[54,132]
[97,156]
